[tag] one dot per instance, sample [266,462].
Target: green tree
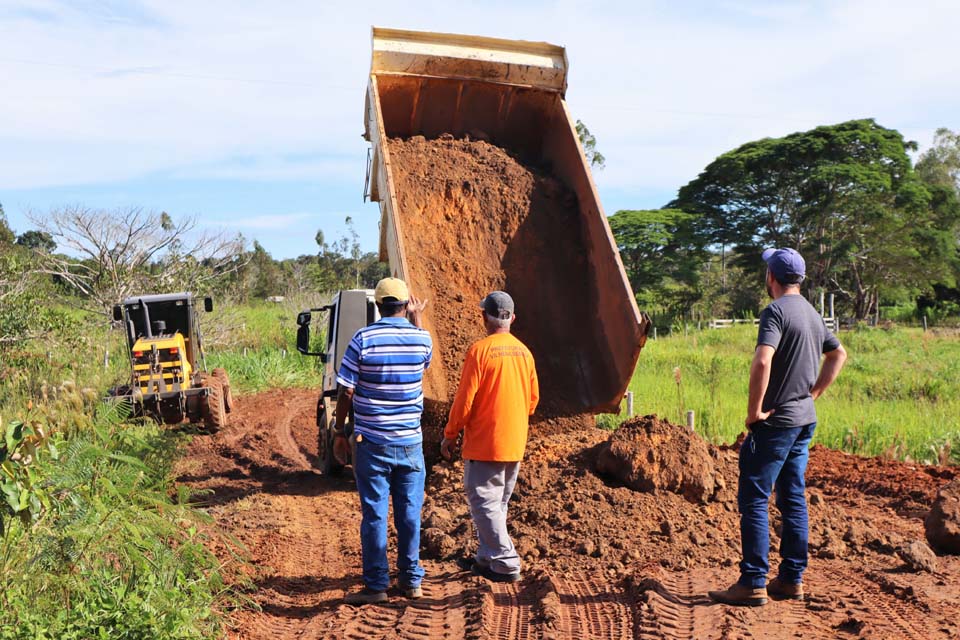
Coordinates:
[662,255]
[940,164]
[589,142]
[845,195]
[37,240]
[6,233]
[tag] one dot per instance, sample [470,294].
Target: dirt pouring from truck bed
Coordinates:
[476,219]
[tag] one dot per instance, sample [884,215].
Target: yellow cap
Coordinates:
[391,288]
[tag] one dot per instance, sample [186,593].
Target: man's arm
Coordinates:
[534,390]
[460,411]
[341,448]
[832,363]
[759,379]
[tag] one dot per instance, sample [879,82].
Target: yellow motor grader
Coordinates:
[168,380]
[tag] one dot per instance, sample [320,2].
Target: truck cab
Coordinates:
[349,311]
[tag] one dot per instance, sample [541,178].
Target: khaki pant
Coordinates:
[488,486]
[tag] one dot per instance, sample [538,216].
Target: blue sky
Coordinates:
[249,114]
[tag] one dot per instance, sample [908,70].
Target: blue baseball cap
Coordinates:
[786,265]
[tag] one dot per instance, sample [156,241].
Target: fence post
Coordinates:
[822,309]
[654,333]
[690,419]
[629,404]
[833,315]
[106,358]
[924,323]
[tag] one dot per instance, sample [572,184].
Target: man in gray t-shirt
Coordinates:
[781,418]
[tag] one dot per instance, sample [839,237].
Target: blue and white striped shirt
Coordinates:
[384,364]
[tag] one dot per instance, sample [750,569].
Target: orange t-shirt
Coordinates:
[498,393]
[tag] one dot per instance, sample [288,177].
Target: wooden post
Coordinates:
[654,333]
[822,309]
[690,419]
[629,404]
[924,323]
[106,358]
[833,315]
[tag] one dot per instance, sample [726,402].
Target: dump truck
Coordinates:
[168,377]
[510,94]
[347,312]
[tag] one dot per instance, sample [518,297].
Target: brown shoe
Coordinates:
[741,596]
[365,596]
[780,590]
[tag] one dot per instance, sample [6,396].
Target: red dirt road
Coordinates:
[643,579]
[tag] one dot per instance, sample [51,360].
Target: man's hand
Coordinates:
[341,448]
[760,416]
[415,307]
[447,448]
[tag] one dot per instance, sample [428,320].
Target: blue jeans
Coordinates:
[385,471]
[773,456]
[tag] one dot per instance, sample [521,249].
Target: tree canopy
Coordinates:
[846,196]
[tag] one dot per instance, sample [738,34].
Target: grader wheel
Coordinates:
[214,411]
[221,374]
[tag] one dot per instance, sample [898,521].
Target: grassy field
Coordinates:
[899,394]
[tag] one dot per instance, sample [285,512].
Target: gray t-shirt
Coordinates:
[796,331]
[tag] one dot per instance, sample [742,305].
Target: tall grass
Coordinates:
[115,554]
[898,395]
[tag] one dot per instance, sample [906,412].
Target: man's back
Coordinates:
[498,392]
[384,363]
[797,333]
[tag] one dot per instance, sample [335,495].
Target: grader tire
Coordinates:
[221,374]
[214,411]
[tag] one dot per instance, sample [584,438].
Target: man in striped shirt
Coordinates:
[380,378]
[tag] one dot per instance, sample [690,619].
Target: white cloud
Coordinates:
[107,91]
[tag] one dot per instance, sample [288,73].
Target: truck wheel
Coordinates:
[214,414]
[221,374]
[328,464]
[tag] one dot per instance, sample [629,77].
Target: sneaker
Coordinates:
[740,596]
[411,593]
[781,590]
[365,596]
[495,576]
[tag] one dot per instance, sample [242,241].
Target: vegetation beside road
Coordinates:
[898,396]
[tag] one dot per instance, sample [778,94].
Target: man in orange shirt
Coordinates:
[498,393]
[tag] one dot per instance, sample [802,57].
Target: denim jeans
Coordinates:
[383,472]
[773,457]
[488,486]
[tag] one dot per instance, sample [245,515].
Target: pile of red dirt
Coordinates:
[942,524]
[649,454]
[606,501]
[476,219]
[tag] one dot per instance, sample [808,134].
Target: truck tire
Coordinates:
[328,464]
[221,374]
[214,414]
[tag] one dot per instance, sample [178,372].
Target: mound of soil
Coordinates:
[942,524]
[649,454]
[475,219]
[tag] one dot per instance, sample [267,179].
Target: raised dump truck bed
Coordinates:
[510,94]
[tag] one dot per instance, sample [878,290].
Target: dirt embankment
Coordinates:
[602,560]
[476,219]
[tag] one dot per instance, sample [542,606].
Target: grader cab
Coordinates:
[168,379]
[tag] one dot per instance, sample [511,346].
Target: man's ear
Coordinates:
[513,318]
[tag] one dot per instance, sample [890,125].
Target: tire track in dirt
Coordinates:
[451,608]
[593,608]
[676,606]
[508,612]
[866,598]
